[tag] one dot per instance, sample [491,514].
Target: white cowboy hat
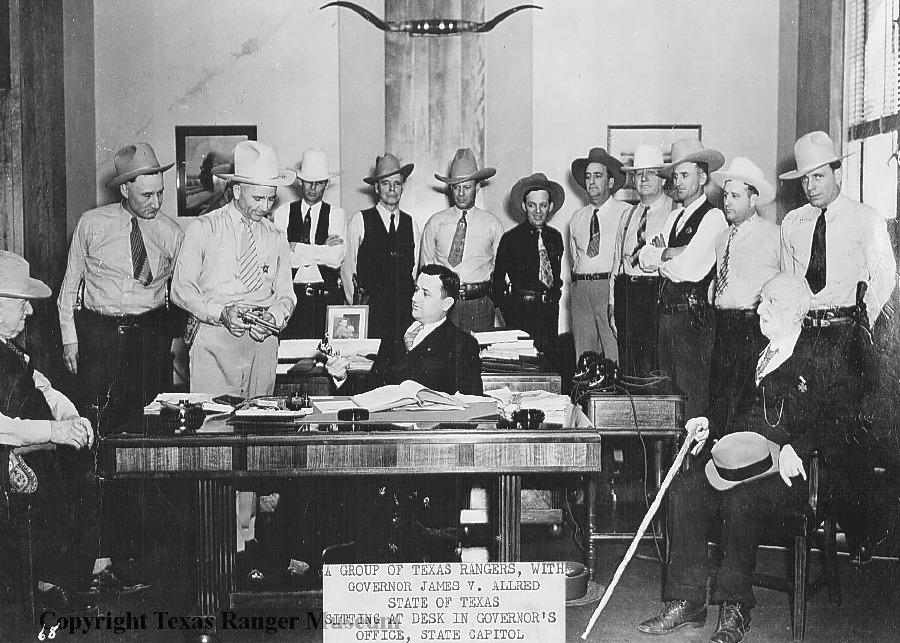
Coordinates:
[464,168]
[255,163]
[811,152]
[134,160]
[14,279]
[314,167]
[691,149]
[743,169]
[646,157]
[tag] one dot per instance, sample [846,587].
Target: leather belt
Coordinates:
[124,321]
[825,317]
[475,290]
[671,309]
[594,276]
[310,290]
[526,295]
[639,279]
[736,313]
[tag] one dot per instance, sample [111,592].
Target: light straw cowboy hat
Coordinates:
[537,181]
[134,160]
[314,167]
[743,169]
[386,166]
[811,152]
[15,280]
[599,155]
[255,163]
[464,168]
[691,150]
[646,157]
[741,457]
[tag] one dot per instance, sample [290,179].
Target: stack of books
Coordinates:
[507,351]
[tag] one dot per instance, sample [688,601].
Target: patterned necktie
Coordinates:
[249,261]
[546,273]
[722,275]
[816,270]
[458,246]
[393,227]
[307,227]
[767,357]
[410,336]
[642,229]
[139,255]
[594,244]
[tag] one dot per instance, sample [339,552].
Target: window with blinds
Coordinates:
[872,101]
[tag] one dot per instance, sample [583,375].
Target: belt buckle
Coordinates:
[310,291]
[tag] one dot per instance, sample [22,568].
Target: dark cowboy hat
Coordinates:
[134,160]
[538,181]
[599,155]
[464,168]
[388,165]
[741,457]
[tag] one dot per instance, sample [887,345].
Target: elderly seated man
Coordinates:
[58,482]
[802,401]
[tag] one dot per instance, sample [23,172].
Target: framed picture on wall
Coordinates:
[347,322]
[201,150]
[622,140]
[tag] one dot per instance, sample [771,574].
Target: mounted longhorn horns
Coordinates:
[433,26]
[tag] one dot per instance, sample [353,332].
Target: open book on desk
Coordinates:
[408,393]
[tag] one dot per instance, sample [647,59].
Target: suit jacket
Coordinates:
[811,401]
[446,360]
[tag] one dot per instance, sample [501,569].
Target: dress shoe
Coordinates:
[62,603]
[675,614]
[734,622]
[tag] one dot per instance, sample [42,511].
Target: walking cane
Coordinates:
[643,528]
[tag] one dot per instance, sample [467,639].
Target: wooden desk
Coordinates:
[219,463]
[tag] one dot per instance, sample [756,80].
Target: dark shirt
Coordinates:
[518,258]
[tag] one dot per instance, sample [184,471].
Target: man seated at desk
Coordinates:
[58,483]
[433,351]
[802,401]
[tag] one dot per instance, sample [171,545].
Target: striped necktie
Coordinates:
[410,336]
[458,246]
[593,248]
[722,276]
[249,261]
[139,260]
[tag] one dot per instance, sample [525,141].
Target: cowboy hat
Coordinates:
[599,155]
[464,168]
[741,457]
[133,161]
[255,163]
[646,157]
[538,181]
[14,279]
[743,169]
[811,152]
[314,167]
[691,149]
[388,165]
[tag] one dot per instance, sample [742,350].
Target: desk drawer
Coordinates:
[654,412]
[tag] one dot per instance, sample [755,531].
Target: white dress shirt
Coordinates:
[609,215]
[753,259]
[304,255]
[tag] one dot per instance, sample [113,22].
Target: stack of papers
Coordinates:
[555,407]
[507,345]
[191,398]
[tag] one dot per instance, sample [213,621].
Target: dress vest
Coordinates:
[672,292]
[19,397]
[385,264]
[295,235]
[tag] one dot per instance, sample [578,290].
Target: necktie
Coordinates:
[458,246]
[307,227]
[410,336]
[546,273]
[393,228]
[249,261]
[722,275]
[816,270]
[764,361]
[139,255]
[594,244]
[674,231]
[642,230]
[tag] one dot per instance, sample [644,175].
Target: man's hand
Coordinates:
[268,504]
[658,241]
[333,240]
[337,367]
[790,465]
[701,426]
[671,253]
[258,333]
[231,319]
[76,433]
[70,357]
[611,317]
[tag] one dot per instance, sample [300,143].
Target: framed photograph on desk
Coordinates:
[347,322]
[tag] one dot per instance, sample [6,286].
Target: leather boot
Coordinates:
[734,622]
[675,614]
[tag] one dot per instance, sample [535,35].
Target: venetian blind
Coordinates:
[872,60]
